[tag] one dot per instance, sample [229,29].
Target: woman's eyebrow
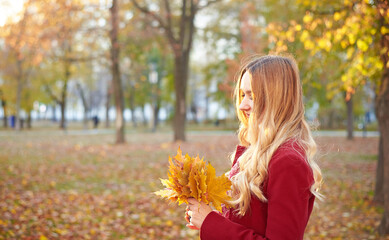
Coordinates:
[247,92]
[243,90]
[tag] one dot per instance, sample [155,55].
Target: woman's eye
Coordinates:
[243,95]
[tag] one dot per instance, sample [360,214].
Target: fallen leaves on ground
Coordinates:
[83,187]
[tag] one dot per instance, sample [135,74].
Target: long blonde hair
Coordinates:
[277,116]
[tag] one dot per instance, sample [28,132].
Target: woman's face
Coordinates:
[247,98]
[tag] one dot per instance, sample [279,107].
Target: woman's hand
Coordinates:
[197,211]
[188,216]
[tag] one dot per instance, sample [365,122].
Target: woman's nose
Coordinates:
[244,106]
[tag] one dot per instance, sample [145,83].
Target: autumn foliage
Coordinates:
[192,178]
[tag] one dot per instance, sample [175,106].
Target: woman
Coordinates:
[274,175]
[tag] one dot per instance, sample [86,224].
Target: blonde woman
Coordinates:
[274,175]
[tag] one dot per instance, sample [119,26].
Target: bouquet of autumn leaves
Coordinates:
[192,178]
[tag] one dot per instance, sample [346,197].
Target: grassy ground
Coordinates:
[60,186]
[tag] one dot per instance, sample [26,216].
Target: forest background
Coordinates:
[163,71]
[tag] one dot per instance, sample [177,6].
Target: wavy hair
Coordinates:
[277,116]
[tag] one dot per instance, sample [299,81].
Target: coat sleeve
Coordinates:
[217,227]
[288,186]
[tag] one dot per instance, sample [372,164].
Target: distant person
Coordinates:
[12,120]
[96,121]
[274,176]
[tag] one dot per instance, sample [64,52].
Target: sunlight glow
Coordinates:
[9,8]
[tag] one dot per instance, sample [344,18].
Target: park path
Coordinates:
[204,132]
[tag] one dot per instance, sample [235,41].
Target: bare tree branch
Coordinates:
[168,14]
[169,31]
[51,94]
[182,23]
[150,13]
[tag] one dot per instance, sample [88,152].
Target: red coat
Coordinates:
[287,211]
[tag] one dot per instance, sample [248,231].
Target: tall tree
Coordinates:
[145,61]
[177,23]
[382,107]
[20,56]
[66,33]
[116,77]
[358,31]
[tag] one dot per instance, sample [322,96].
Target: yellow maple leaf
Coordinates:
[216,186]
[167,193]
[202,186]
[193,184]
[192,177]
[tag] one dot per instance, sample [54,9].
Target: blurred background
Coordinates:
[95,94]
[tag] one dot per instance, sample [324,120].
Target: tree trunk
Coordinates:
[18,95]
[133,118]
[62,124]
[54,108]
[5,119]
[144,115]
[28,123]
[64,93]
[180,85]
[116,81]
[382,112]
[107,105]
[379,185]
[131,103]
[350,118]
[155,115]
[193,111]
[62,104]
[156,104]
[383,121]
[85,104]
